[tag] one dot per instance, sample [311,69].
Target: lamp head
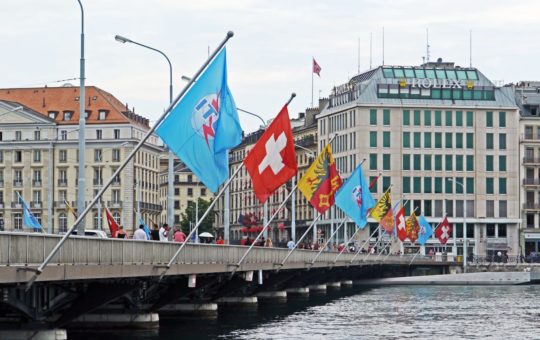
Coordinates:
[121,39]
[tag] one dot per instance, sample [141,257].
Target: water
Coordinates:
[415,312]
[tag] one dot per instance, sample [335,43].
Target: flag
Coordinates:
[387,222]
[204,125]
[355,199]
[29,220]
[272,161]
[425,230]
[321,181]
[444,231]
[381,208]
[401,227]
[316,68]
[113,226]
[411,225]
[70,208]
[146,229]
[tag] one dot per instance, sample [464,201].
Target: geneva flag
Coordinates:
[411,225]
[382,207]
[204,125]
[272,160]
[321,181]
[355,199]
[425,230]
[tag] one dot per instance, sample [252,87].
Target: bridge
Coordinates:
[92,274]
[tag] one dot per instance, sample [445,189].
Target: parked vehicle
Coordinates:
[90,233]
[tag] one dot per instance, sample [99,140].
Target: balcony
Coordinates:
[116,183]
[60,204]
[98,181]
[17,183]
[36,182]
[62,182]
[16,205]
[531,206]
[36,204]
[114,204]
[531,160]
[1,205]
[529,137]
[151,207]
[531,181]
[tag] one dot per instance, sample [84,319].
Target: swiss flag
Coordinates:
[113,226]
[272,160]
[401,230]
[444,231]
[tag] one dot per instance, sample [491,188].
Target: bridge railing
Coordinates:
[20,249]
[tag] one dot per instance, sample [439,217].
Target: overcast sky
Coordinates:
[270,54]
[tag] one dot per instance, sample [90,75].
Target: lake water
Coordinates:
[413,312]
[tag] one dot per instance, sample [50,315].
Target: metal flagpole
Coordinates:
[293,210]
[312,81]
[194,230]
[282,204]
[300,240]
[327,241]
[418,252]
[82,215]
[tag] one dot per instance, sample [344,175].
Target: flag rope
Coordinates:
[83,214]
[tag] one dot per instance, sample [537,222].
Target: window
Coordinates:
[17,221]
[489,141]
[416,140]
[63,135]
[470,185]
[469,118]
[438,162]
[372,179]
[115,196]
[438,140]
[448,118]
[406,185]
[427,162]
[427,140]
[18,156]
[102,114]
[99,134]
[502,163]
[67,115]
[489,185]
[417,185]
[502,119]
[373,117]
[97,155]
[459,118]
[416,117]
[116,133]
[203,191]
[1,156]
[438,118]
[427,118]
[190,192]
[459,140]
[37,135]
[459,162]
[37,155]
[37,175]
[489,163]
[502,141]
[470,140]
[36,196]
[406,117]
[62,156]
[18,135]
[386,117]
[490,230]
[438,185]
[502,227]
[502,186]
[427,185]
[406,139]
[448,162]
[373,161]
[176,204]
[52,114]
[448,140]
[373,139]
[448,185]
[417,162]
[406,162]
[386,139]
[489,119]
[116,155]
[116,217]
[386,162]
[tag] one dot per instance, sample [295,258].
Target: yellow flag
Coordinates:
[70,208]
[382,207]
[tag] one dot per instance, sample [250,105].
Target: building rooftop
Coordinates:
[62,104]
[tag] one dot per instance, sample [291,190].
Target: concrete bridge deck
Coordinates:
[84,258]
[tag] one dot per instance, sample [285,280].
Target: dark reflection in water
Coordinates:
[414,312]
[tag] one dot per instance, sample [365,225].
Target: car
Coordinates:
[90,233]
[533,257]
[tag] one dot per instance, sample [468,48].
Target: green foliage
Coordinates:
[189,216]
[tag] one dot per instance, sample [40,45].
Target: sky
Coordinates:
[270,55]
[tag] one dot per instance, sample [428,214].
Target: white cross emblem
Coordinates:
[273,157]
[445,234]
[401,224]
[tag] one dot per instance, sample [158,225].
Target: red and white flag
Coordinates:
[272,161]
[113,226]
[444,231]
[401,229]
[316,68]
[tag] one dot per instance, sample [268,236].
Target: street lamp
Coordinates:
[170,180]
[463,188]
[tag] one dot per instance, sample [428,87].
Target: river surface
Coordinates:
[407,312]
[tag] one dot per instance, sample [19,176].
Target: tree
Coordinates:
[189,216]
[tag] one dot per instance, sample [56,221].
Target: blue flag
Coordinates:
[355,199]
[204,125]
[29,220]
[425,230]
[146,229]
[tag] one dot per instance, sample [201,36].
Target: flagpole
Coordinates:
[312,81]
[438,225]
[300,240]
[328,241]
[373,233]
[83,214]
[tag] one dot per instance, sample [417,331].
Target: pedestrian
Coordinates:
[154,234]
[140,234]
[268,243]
[164,232]
[121,233]
[290,244]
[179,235]
[220,240]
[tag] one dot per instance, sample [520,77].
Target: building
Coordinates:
[244,202]
[445,137]
[528,99]
[39,157]
[187,189]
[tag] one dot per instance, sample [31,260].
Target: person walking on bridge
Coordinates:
[121,233]
[140,234]
[179,235]
[163,232]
